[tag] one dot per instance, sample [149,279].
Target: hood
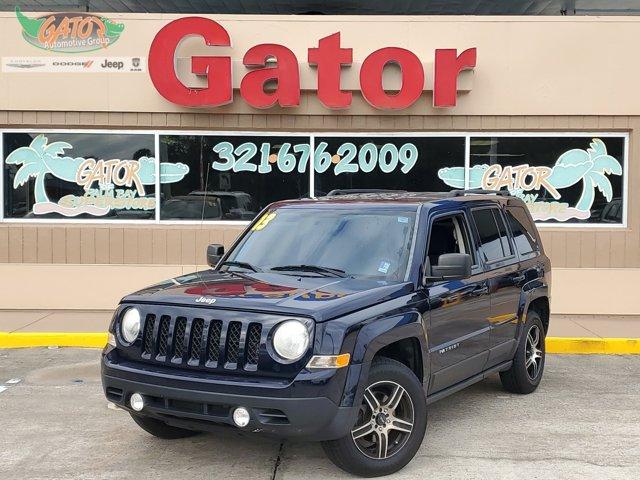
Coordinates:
[322,298]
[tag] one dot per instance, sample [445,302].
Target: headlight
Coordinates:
[291,340]
[130,325]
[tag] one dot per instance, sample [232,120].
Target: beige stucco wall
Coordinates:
[574,65]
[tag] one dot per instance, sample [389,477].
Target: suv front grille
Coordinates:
[213,343]
[150,323]
[197,328]
[163,336]
[233,342]
[179,340]
[200,342]
[253,343]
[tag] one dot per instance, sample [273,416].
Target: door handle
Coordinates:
[519,279]
[480,289]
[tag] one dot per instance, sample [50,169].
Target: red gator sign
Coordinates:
[329,58]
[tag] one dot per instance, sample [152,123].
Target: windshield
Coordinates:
[357,243]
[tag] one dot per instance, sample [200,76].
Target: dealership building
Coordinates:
[131,141]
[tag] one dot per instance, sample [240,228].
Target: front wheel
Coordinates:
[528,364]
[390,426]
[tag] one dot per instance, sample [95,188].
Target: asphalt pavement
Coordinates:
[583,422]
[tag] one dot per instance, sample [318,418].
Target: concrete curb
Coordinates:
[52,339]
[590,345]
[566,345]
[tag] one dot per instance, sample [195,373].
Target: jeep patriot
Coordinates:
[339,319]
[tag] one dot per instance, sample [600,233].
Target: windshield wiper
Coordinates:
[335,272]
[245,265]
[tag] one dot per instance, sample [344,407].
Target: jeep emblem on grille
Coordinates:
[207,300]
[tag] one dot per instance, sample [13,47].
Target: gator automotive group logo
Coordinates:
[69,32]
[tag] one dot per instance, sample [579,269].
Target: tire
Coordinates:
[402,420]
[159,429]
[528,363]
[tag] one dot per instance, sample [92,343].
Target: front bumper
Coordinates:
[199,403]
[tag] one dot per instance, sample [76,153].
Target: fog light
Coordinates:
[137,402]
[241,417]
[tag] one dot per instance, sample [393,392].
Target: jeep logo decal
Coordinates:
[207,300]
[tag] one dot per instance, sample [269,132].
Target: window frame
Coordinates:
[535,251]
[78,221]
[575,134]
[476,266]
[312,134]
[231,133]
[500,262]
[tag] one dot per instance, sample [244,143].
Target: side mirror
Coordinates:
[451,266]
[215,251]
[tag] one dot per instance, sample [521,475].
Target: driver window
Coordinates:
[448,235]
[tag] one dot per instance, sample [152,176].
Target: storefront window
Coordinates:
[568,179]
[232,177]
[394,162]
[79,175]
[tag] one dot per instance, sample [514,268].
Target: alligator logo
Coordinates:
[41,158]
[69,32]
[590,166]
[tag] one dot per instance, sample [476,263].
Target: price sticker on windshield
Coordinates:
[263,222]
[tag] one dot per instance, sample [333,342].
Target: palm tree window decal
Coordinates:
[41,158]
[591,167]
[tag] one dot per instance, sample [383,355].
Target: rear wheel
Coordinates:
[528,363]
[159,429]
[390,426]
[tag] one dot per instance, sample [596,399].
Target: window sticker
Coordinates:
[384,266]
[393,162]
[244,173]
[85,183]
[557,184]
[403,220]
[287,157]
[263,222]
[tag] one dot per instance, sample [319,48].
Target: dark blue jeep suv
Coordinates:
[339,319]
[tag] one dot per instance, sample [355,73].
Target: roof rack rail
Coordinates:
[351,191]
[478,191]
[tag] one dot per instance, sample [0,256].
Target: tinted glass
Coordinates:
[79,175]
[524,239]
[448,235]
[504,236]
[490,240]
[400,163]
[561,179]
[361,243]
[232,177]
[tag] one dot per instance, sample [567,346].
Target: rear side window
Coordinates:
[522,230]
[494,240]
